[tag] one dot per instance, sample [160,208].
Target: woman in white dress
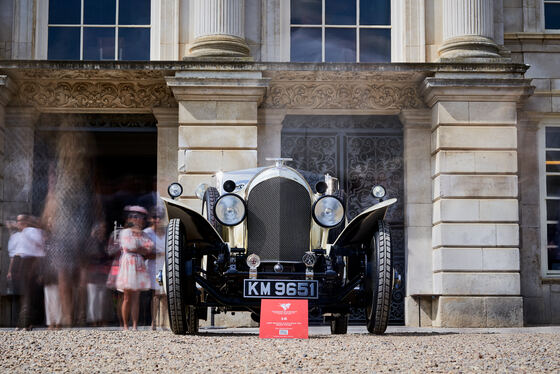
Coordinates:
[133,275]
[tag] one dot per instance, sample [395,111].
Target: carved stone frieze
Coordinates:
[341,95]
[82,94]
[359,90]
[119,75]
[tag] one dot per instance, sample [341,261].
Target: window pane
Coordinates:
[553,137]
[134,44]
[99,43]
[340,45]
[306,12]
[552,16]
[305,44]
[64,12]
[375,45]
[553,161]
[553,185]
[64,43]
[375,12]
[552,209]
[340,12]
[553,247]
[134,12]
[99,12]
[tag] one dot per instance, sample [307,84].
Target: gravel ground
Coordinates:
[241,351]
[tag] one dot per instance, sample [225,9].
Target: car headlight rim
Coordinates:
[318,220]
[220,217]
[175,190]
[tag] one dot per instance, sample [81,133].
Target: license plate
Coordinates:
[280,289]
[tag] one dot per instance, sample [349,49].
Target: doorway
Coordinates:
[361,151]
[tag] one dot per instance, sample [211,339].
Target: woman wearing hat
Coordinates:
[133,275]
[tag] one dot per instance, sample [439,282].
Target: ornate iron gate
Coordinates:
[361,151]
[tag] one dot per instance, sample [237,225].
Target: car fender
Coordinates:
[198,230]
[362,228]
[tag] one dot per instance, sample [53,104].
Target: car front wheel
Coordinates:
[181,291]
[379,280]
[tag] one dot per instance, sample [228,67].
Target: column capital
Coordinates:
[415,118]
[166,117]
[7,89]
[21,116]
[218,86]
[271,117]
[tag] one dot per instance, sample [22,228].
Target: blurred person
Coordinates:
[133,275]
[70,211]
[114,252]
[97,272]
[49,276]
[156,232]
[13,274]
[30,248]
[13,268]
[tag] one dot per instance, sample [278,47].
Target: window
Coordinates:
[99,30]
[552,14]
[551,207]
[340,31]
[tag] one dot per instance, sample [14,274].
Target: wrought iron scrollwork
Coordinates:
[361,151]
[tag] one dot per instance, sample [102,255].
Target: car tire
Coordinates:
[175,277]
[339,325]
[192,320]
[380,279]
[209,200]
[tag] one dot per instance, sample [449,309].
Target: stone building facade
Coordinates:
[461,94]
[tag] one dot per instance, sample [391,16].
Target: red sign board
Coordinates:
[281,318]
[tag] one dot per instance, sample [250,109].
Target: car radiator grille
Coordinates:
[279,220]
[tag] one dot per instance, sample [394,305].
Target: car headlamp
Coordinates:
[200,190]
[328,211]
[378,191]
[230,209]
[175,190]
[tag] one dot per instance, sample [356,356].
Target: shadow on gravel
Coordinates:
[408,334]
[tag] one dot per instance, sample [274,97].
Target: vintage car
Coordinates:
[266,233]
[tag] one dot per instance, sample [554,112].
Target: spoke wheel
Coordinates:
[180,282]
[379,281]
[339,325]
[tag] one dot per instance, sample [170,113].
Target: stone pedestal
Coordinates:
[475,232]
[217,124]
[418,212]
[217,132]
[468,30]
[219,29]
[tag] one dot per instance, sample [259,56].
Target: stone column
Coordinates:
[167,145]
[270,134]
[418,216]
[8,311]
[475,233]
[217,124]
[219,29]
[18,159]
[468,29]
